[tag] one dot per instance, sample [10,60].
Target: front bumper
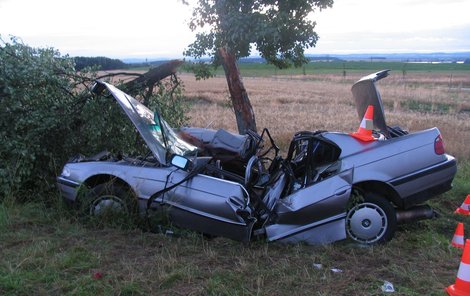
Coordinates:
[68,188]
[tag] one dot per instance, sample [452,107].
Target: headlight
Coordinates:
[66,172]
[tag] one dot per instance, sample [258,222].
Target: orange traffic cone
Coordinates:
[364,133]
[465,207]
[462,283]
[458,240]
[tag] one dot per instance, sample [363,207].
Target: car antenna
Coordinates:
[210,123]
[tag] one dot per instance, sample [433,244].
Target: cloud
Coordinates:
[149,28]
[449,39]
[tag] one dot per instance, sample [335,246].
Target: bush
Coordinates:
[47,115]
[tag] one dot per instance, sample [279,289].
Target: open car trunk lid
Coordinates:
[365,93]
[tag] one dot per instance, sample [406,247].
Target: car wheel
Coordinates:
[371,220]
[110,202]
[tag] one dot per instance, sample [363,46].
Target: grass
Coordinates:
[45,251]
[337,67]
[342,68]
[48,251]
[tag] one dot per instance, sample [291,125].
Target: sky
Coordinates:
[159,28]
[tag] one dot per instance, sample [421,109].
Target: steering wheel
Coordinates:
[254,160]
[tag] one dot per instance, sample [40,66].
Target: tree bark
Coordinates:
[241,103]
[153,76]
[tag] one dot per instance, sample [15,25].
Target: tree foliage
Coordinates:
[103,63]
[47,115]
[227,29]
[279,30]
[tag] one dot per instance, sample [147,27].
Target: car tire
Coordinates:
[109,202]
[371,220]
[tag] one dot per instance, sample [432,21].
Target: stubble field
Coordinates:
[286,104]
[47,251]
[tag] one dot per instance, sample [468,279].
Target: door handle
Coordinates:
[343,191]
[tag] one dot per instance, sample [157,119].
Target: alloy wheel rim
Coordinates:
[366,223]
[106,204]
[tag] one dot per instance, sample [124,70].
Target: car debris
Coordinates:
[387,287]
[330,186]
[317,265]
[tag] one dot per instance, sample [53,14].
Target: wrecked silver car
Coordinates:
[330,186]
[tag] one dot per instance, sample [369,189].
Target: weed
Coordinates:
[45,250]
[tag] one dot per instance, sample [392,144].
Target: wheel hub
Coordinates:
[107,204]
[366,223]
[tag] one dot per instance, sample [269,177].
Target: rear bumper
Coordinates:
[67,188]
[424,184]
[424,195]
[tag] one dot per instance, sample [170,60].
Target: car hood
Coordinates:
[156,132]
[365,93]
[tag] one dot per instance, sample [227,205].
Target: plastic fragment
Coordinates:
[97,275]
[387,287]
[336,270]
[318,265]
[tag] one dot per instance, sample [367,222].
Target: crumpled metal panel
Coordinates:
[306,214]
[157,134]
[321,232]
[365,93]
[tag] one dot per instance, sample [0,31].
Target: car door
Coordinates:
[314,214]
[210,205]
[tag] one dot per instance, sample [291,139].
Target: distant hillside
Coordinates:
[145,62]
[391,57]
[441,57]
[401,57]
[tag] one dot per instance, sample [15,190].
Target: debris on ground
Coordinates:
[387,287]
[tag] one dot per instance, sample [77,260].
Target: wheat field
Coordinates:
[286,104]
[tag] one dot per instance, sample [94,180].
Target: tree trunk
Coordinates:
[240,101]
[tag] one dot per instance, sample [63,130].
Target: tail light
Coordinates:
[439,145]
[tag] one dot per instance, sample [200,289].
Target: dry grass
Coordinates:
[286,104]
[45,251]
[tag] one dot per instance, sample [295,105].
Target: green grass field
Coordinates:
[336,67]
[251,69]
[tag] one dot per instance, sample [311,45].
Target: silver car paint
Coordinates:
[365,93]
[400,156]
[193,204]
[315,214]
[308,212]
[153,129]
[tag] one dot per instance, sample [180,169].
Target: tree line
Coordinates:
[103,63]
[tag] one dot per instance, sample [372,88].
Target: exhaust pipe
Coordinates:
[416,213]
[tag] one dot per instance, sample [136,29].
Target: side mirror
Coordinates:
[180,162]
